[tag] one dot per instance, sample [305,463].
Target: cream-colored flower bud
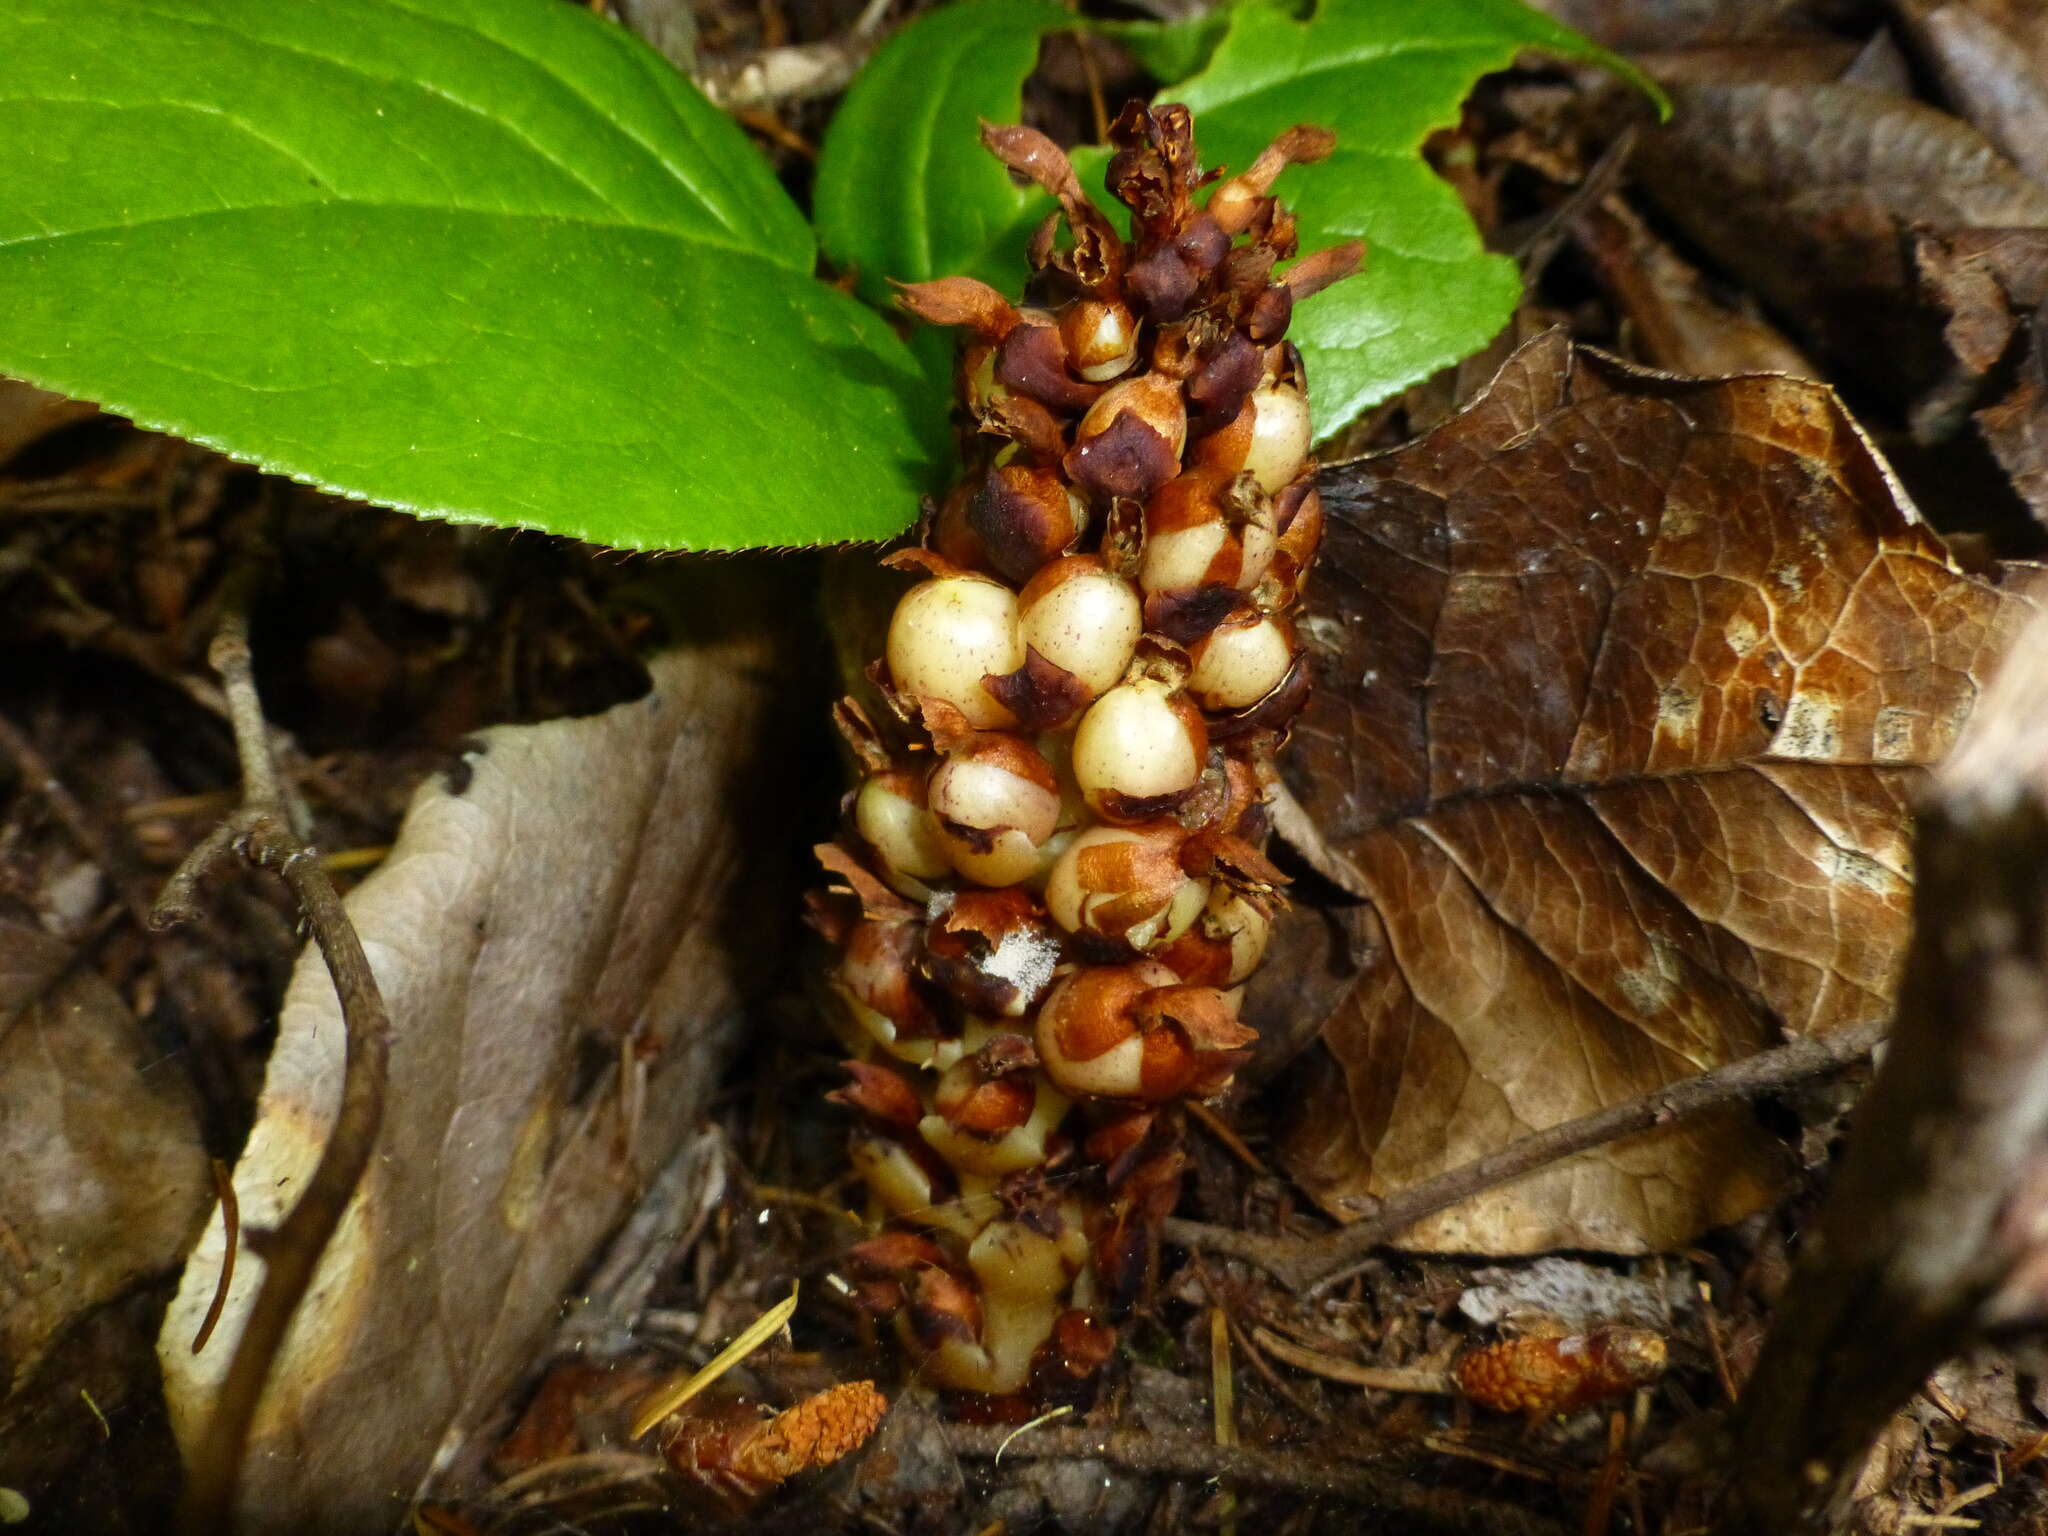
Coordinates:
[1269,437]
[1101,338]
[1087,1040]
[1281,433]
[1150,399]
[949,633]
[1023,1147]
[1125,883]
[1241,661]
[1241,923]
[1084,618]
[893,1177]
[1226,943]
[890,814]
[1201,531]
[996,802]
[1138,750]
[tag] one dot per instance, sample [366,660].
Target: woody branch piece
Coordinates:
[1406,1504]
[1935,1234]
[1312,1264]
[260,831]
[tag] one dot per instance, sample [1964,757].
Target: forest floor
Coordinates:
[383,645]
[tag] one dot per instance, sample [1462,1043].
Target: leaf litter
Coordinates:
[1796,477]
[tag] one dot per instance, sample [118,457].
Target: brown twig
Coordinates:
[1935,1231]
[231,1240]
[1313,1264]
[795,72]
[1407,1505]
[1380,1378]
[261,832]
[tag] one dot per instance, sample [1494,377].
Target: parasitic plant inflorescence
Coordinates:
[1052,885]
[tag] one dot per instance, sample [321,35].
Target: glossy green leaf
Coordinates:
[904,188]
[491,260]
[1384,74]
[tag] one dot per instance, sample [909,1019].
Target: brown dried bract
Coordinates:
[1630,680]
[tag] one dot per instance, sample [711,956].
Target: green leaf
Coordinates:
[490,260]
[904,188]
[1384,75]
[1171,50]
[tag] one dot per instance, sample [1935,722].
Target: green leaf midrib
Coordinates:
[343,206]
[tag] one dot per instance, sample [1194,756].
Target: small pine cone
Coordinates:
[1051,888]
[1543,1376]
[737,1453]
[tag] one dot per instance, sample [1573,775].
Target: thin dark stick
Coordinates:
[1313,1264]
[1414,1506]
[261,832]
[231,1240]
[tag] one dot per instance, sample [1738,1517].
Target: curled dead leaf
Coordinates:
[561,937]
[1810,193]
[105,1184]
[1628,683]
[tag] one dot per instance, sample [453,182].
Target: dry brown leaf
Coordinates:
[1675,322]
[105,1178]
[1991,62]
[1628,681]
[1810,194]
[571,907]
[1992,285]
[1634,25]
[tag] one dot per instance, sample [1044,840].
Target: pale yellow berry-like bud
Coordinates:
[1241,660]
[1022,1146]
[1281,433]
[1101,338]
[1226,943]
[946,635]
[996,802]
[1241,923]
[1084,618]
[1139,751]
[1125,883]
[1200,531]
[896,1180]
[1138,1032]
[890,814]
[1087,1041]
[1268,438]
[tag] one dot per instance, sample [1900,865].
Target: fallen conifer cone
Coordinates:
[1561,1372]
[1052,887]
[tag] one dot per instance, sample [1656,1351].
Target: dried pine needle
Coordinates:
[672,1394]
[1027,1426]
